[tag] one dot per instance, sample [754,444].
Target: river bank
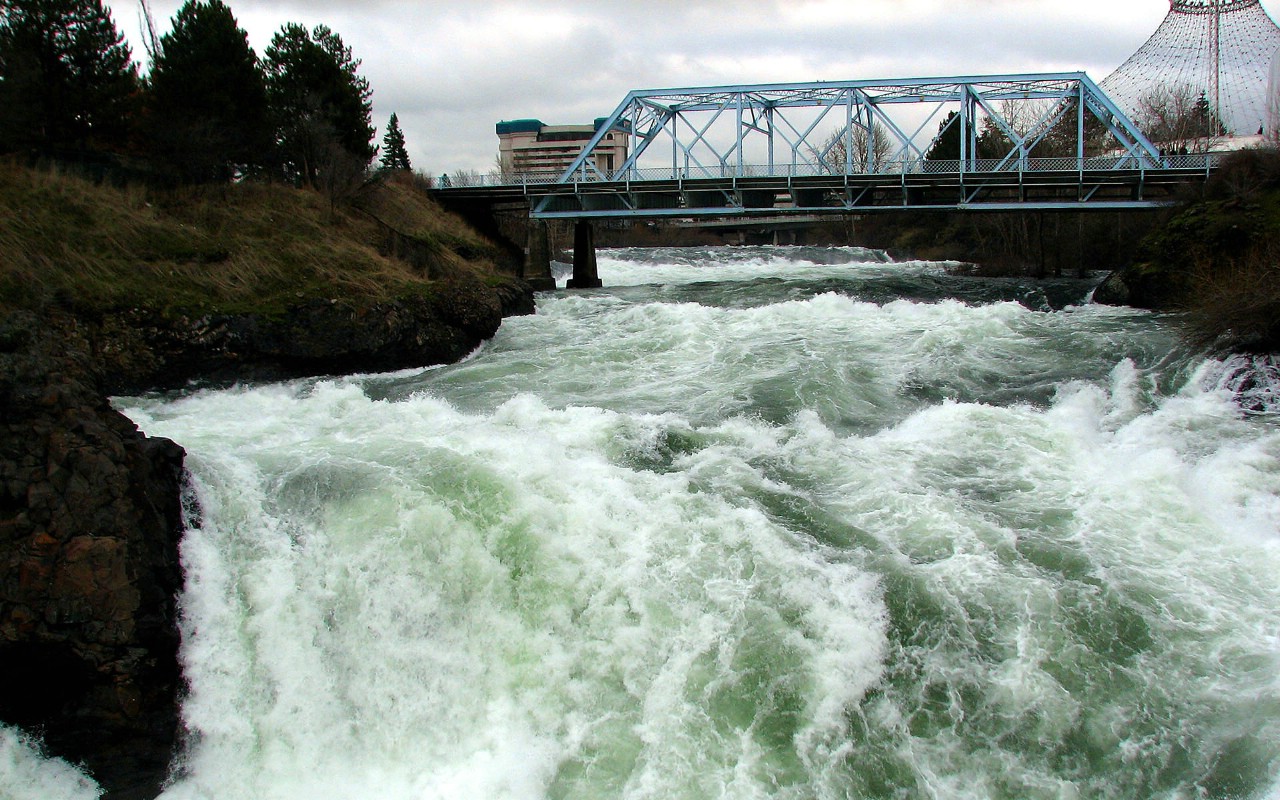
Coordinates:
[1215,258]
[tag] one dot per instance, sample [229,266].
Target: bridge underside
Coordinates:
[857,194]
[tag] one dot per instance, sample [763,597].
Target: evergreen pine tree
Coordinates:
[947,145]
[67,78]
[991,141]
[394,154]
[1205,120]
[208,96]
[320,102]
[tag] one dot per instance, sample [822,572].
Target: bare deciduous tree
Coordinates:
[150,40]
[468,177]
[1178,118]
[341,175]
[860,149]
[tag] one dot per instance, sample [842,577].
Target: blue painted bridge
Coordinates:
[1000,142]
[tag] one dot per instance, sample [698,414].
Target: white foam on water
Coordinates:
[858,363]
[1163,524]
[1252,380]
[434,604]
[643,266]
[26,774]
[407,598]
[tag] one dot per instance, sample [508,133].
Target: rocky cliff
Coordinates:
[90,520]
[146,349]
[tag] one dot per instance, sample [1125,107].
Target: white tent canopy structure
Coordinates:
[1221,50]
[1273,102]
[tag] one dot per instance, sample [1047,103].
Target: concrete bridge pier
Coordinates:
[585,273]
[537,260]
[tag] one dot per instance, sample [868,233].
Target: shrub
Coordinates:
[1244,173]
[1234,304]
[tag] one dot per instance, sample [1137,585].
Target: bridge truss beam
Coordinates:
[853,145]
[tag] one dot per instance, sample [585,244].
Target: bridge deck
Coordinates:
[842,194]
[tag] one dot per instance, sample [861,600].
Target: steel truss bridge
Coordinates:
[852,147]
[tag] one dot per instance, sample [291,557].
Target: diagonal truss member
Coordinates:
[859,127]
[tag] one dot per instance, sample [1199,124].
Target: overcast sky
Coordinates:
[452,69]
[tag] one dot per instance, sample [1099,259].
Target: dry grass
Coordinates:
[402,204]
[398,202]
[1235,304]
[246,247]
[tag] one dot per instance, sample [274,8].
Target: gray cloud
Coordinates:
[452,69]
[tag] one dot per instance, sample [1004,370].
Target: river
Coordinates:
[785,523]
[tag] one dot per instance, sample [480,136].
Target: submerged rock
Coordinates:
[1253,380]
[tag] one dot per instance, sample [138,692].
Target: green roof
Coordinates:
[520,126]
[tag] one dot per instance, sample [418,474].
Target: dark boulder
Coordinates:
[1144,286]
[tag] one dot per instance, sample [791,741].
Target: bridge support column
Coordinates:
[585,273]
[537,260]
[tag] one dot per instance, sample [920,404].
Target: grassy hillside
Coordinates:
[249,247]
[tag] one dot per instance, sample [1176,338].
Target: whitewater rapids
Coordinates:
[747,523]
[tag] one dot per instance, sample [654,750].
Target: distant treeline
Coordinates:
[208,108]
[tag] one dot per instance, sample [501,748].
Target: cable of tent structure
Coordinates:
[1220,49]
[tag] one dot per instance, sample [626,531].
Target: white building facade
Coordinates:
[529,147]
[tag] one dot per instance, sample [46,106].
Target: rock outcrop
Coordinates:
[1142,286]
[90,519]
[145,349]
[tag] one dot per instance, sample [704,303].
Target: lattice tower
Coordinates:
[1222,49]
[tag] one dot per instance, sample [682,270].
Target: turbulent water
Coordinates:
[748,523]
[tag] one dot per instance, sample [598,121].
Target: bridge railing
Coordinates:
[540,180]
[483,179]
